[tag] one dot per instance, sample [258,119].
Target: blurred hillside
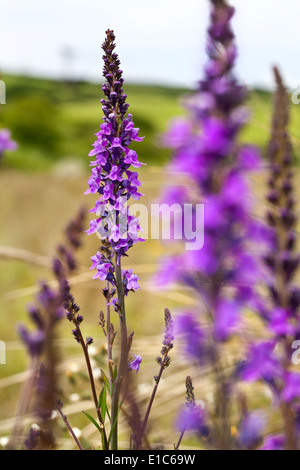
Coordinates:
[52,120]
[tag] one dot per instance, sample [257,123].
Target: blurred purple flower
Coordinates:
[34,341]
[227,314]
[273,443]
[6,143]
[193,418]
[130,280]
[251,430]
[262,363]
[291,388]
[280,322]
[198,344]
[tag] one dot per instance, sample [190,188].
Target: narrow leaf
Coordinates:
[93,421]
[106,381]
[115,373]
[97,426]
[102,402]
[114,424]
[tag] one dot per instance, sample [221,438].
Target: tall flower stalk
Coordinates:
[163,361]
[115,183]
[39,393]
[270,361]
[222,273]
[283,260]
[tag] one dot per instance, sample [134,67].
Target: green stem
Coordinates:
[108,333]
[93,388]
[65,419]
[180,439]
[123,361]
[144,425]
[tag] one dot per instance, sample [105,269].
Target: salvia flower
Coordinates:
[112,178]
[135,363]
[271,361]
[207,152]
[48,310]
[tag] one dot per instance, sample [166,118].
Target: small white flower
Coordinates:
[144,389]
[77,432]
[54,414]
[35,427]
[92,351]
[4,441]
[73,368]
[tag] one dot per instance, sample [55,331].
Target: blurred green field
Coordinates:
[52,120]
[42,186]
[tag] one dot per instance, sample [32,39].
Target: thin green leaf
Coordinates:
[97,426]
[93,421]
[106,381]
[102,402]
[115,373]
[114,425]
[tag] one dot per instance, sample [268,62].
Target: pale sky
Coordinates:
[158,41]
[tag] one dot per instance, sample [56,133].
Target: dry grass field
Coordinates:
[34,210]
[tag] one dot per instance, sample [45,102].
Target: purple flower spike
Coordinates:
[135,364]
[112,177]
[207,151]
[212,168]
[280,310]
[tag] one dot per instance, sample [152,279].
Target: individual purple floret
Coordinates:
[135,363]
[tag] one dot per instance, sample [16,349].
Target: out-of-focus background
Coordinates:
[51,65]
